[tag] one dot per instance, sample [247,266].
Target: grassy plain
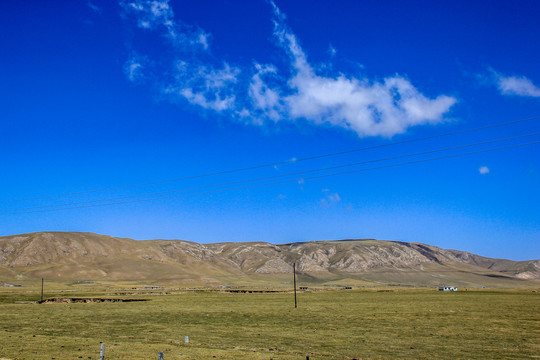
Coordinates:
[330,324]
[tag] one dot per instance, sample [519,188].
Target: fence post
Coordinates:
[102,352]
[160,355]
[294,271]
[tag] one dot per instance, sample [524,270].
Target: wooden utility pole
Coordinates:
[294,272]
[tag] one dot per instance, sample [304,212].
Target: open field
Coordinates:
[330,324]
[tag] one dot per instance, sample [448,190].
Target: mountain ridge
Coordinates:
[89,256]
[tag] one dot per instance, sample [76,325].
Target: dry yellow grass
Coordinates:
[336,324]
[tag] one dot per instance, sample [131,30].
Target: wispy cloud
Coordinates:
[205,86]
[158,15]
[133,68]
[332,50]
[266,101]
[94,7]
[329,198]
[201,84]
[515,85]
[262,93]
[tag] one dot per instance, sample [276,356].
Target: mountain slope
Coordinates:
[87,256]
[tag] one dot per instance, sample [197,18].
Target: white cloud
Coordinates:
[262,94]
[369,108]
[516,85]
[483,170]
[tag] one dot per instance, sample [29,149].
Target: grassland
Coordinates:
[331,324]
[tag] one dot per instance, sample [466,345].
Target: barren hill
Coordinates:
[87,256]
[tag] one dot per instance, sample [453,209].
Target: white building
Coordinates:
[447,288]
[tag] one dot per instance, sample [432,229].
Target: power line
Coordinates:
[282,181]
[278,176]
[276,163]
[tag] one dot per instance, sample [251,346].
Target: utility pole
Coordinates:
[41,290]
[294,272]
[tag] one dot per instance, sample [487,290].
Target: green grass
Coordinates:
[334,324]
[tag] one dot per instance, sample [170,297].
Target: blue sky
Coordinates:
[110,111]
